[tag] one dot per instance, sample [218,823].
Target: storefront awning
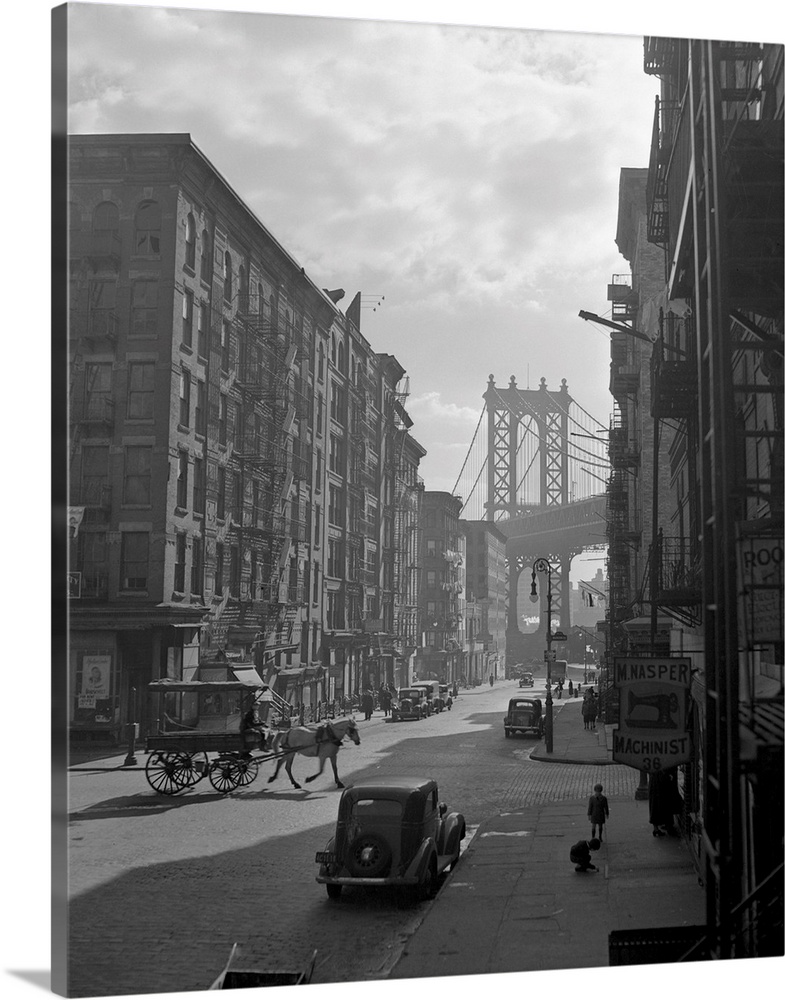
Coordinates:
[246,672]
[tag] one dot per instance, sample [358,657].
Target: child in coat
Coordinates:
[598,811]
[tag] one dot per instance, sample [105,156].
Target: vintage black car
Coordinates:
[410,704]
[445,698]
[391,831]
[430,690]
[524,715]
[526,680]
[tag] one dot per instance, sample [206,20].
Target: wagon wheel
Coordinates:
[369,856]
[224,775]
[166,772]
[247,769]
[195,767]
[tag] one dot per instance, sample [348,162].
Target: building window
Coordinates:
[94,563]
[95,475]
[237,496]
[144,308]
[103,317]
[319,413]
[197,566]
[320,370]
[338,403]
[134,560]
[190,242]
[185,398]
[334,557]
[202,326]
[315,597]
[317,526]
[179,562]
[222,418]
[199,488]
[141,390]
[148,229]
[227,277]
[221,504]
[225,341]
[138,469]
[336,510]
[106,218]
[219,569]
[234,571]
[188,317]
[336,455]
[430,577]
[430,547]
[206,265]
[201,408]
[98,390]
[182,480]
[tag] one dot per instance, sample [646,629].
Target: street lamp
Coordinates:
[543,566]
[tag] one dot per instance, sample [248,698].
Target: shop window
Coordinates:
[94,700]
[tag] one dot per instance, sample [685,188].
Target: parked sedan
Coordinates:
[392,831]
[410,704]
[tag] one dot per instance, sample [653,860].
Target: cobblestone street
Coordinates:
[163,887]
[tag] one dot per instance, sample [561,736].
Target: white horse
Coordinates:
[322,741]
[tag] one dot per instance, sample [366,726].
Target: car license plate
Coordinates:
[325,857]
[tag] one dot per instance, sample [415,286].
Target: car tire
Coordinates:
[333,891]
[369,856]
[507,732]
[427,888]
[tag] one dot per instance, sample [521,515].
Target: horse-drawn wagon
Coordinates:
[211,729]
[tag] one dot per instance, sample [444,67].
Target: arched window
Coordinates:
[106,218]
[341,357]
[148,229]
[259,304]
[206,271]
[333,356]
[190,242]
[321,362]
[227,277]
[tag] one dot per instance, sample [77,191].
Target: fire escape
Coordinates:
[359,527]
[624,455]
[268,520]
[93,328]
[716,204]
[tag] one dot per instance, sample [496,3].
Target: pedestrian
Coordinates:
[664,801]
[585,710]
[598,811]
[366,703]
[570,688]
[384,698]
[491,680]
[593,709]
[580,855]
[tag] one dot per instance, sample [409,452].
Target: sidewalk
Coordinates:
[572,744]
[515,902]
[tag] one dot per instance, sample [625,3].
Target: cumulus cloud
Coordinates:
[468,174]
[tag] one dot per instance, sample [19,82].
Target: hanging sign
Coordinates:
[653,695]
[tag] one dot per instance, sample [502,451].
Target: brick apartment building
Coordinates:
[232,443]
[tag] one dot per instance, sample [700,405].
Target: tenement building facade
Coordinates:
[232,444]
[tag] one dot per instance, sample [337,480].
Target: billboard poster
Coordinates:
[653,695]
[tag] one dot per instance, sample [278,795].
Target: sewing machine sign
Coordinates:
[653,696]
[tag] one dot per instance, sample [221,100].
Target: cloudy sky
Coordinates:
[467,174]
